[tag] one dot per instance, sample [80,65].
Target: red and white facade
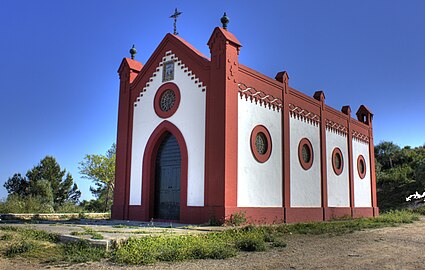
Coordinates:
[247,142]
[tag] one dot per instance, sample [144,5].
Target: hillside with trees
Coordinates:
[400,172]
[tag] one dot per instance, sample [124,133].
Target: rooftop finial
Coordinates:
[133,52]
[174,16]
[224,20]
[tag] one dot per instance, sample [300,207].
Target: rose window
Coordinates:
[168,99]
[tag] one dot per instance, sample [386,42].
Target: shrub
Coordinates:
[19,249]
[278,243]
[397,216]
[420,210]
[249,243]
[213,221]
[69,207]
[268,237]
[29,204]
[236,219]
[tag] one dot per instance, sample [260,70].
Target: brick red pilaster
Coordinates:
[320,96]
[347,110]
[222,124]
[128,71]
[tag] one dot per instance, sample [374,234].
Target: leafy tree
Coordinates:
[17,184]
[61,183]
[420,171]
[386,153]
[101,170]
[46,183]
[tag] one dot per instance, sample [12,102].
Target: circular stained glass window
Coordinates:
[168,98]
[337,161]
[361,166]
[305,153]
[261,143]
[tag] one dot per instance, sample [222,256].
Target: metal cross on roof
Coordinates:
[174,16]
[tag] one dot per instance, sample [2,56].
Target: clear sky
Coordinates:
[59,61]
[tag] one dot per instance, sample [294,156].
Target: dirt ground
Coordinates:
[387,248]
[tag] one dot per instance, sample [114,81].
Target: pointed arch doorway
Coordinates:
[167,179]
[150,200]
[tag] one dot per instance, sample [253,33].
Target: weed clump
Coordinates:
[90,232]
[82,251]
[247,243]
[236,219]
[19,249]
[6,237]
[420,210]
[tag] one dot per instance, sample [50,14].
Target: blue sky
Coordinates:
[59,61]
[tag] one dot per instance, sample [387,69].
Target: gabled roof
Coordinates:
[130,63]
[229,36]
[193,58]
[191,47]
[133,64]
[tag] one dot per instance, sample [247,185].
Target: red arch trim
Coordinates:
[149,160]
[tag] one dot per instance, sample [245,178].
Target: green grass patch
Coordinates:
[151,249]
[6,237]
[89,231]
[249,243]
[389,219]
[82,251]
[22,247]
[119,226]
[32,234]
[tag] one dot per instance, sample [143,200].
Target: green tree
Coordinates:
[386,153]
[17,184]
[58,181]
[46,184]
[101,170]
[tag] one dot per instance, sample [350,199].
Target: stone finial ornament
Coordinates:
[224,20]
[133,52]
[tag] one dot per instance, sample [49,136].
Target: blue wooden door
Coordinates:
[167,180]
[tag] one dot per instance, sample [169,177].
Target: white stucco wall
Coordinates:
[305,185]
[259,184]
[338,185]
[362,188]
[189,119]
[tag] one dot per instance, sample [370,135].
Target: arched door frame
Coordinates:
[149,164]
